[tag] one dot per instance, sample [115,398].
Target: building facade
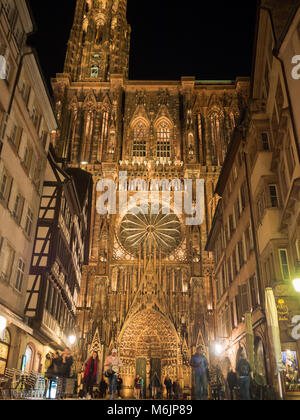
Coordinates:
[27,121]
[59,253]
[269,142]
[147,288]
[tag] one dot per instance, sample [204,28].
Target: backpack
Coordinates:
[244,368]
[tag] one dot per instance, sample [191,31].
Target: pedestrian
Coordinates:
[91,374]
[103,388]
[155,385]
[168,385]
[243,369]
[112,367]
[142,387]
[119,385]
[215,382]
[232,383]
[200,365]
[176,389]
[137,387]
[222,385]
[66,365]
[67,362]
[55,368]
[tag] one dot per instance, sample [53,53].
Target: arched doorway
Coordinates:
[149,343]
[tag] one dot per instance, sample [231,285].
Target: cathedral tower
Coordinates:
[148,286]
[100,41]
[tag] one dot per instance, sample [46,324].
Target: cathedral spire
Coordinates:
[99,43]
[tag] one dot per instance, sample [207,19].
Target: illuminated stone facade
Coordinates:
[151,299]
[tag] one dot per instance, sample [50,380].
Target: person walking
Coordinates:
[214,382]
[155,385]
[91,375]
[112,367]
[142,388]
[244,370]
[66,365]
[119,385]
[103,388]
[176,389]
[232,382]
[168,385]
[199,364]
[137,387]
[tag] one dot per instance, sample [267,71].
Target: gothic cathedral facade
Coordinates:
[148,287]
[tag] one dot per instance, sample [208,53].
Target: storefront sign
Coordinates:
[283,310]
[296,330]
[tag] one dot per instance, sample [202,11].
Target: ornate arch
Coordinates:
[148,333]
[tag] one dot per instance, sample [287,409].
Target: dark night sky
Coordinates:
[170,38]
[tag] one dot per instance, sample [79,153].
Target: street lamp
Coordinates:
[218,349]
[296,283]
[72,339]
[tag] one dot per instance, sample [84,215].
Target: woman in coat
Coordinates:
[91,373]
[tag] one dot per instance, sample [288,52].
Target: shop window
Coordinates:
[291,374]
[4,350]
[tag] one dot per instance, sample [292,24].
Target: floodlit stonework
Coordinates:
[151,299]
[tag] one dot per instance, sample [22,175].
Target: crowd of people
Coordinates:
[237,383]
[210,382]
[58,367]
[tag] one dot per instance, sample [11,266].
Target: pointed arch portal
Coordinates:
[149,341]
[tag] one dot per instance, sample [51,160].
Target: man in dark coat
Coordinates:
[103,388]
[232,382]
[119,385]
[200,365]
[168,385]
[155,385]
[243,369]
